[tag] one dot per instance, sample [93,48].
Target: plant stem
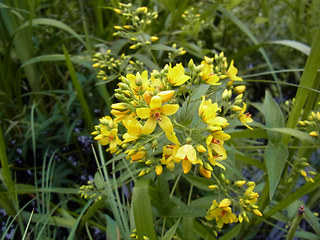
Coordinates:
[295,223]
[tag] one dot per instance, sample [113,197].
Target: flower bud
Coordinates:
[239,89]
[213,187]
[154,38]
[201,148]
[314,134]
[118,11]
[239,183]
[127,94]
[159,169]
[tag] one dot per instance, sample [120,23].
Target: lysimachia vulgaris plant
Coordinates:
[175,120]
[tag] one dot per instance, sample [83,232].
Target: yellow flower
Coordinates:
[216,150]
[121,111]
[231,74]
[207,72]
[157,114]
[245,117]
[154,38]
[169,152]
[107,133]
[133,127]
[208,113]
[176,76]
[204,172]
[250,197]
[139,83]
[188,155]
[221,212]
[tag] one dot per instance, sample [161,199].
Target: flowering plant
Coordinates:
[176,120]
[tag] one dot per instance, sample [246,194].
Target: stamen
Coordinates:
[157,116]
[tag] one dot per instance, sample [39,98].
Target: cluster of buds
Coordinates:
[171,122]
[109,64]
[137,20]
[302,168]
[192,19]
[175,52]
[90,191]
[311,124]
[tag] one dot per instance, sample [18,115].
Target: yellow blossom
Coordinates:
[245,117]
[208,113]
[231,74]
[107,134]
[169,152]
[157,113]
[222,213]
[188,155]
[216,151]
[139,83]
[133,127]
[207,72]
[176,76]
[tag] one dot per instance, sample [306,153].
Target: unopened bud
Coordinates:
[213,187]
[239,89]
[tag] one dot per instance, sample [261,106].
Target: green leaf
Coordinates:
[142,211]
[53,23]
[170,233]
[199,182]
[275,155]
[192,104]
[78,89]
[303,136]
[308,79]
[58,57]
[294,44]
[162,47]
[312,220]
[302,191]
[306,235]
[183,210]
[273,117]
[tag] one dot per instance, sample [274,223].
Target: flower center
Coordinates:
[248,115]
[216,141]
[157,116]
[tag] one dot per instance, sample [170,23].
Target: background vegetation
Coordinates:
[51,99]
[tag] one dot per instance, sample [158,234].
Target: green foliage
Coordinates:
[51,97]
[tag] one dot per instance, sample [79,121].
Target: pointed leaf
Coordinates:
[275,155]
[170,233]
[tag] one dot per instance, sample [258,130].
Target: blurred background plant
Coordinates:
[51,97]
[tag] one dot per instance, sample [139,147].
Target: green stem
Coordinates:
[175,185]
[295,223]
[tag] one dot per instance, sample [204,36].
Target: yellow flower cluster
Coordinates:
[223,213]
[176,118]
[146,102]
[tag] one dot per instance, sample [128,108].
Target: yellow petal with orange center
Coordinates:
[143,112]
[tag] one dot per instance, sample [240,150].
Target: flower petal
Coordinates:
[149,126]
[143,112]
[169,109]
[165,124]
[155,102]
